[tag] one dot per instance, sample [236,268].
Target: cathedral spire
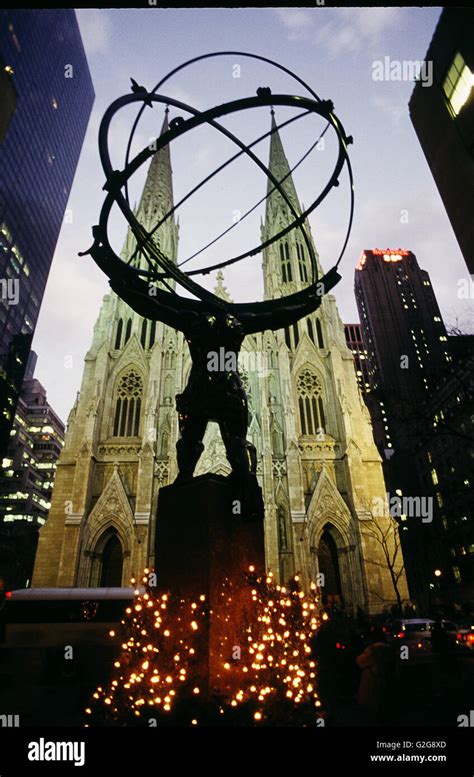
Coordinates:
[286,265]
[155,202]
[279,167]
[157,195]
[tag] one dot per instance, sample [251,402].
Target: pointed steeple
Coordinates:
[157,195]
[280,168]
[286,264]
[156,201]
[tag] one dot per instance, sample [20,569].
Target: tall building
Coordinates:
[411,366]
[46,66]
[445,458]
[401,323]
[316,460]
[356,345]
[443,118]
[26,481]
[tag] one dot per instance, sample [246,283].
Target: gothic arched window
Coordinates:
[310,329]
[292,336]
[151,342]
[286,275]
[272,358]
[169,359]
[302,263]
[319,332]
[118,336]
[128,405]
[310,402]
[143,333]
[128,331]
[296,334]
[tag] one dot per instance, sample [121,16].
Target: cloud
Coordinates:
[340,30]
[96,29]
[395,109]
[296,20]
[354,29]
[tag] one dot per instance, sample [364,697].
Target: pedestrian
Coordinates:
[377,665]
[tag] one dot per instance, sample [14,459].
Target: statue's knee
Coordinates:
[242,454]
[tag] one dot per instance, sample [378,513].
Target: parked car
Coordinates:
[465,638]
[414,632]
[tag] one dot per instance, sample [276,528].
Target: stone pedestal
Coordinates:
[203,545]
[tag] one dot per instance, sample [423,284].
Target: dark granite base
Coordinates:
[201,545]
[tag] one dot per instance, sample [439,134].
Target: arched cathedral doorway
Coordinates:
[108,561]
[328,564]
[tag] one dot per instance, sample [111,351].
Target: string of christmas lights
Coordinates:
[161,675]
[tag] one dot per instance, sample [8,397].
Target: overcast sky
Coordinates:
[333,50]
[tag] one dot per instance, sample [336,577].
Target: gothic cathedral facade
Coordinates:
[317,462]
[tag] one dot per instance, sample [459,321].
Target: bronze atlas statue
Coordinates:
[209,323]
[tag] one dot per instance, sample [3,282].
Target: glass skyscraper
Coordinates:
[42,54]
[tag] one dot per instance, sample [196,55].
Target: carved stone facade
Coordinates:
[317,462]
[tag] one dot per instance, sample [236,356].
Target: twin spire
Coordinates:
[158,189]
[157,196]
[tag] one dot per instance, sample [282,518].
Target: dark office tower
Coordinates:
[407,349]
[443,118]
[406,342]
[401,323]
[50,90]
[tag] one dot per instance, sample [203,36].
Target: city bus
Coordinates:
[52,635]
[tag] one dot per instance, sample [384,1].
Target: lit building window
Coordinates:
[458,84]
[128,405]
[310,402]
